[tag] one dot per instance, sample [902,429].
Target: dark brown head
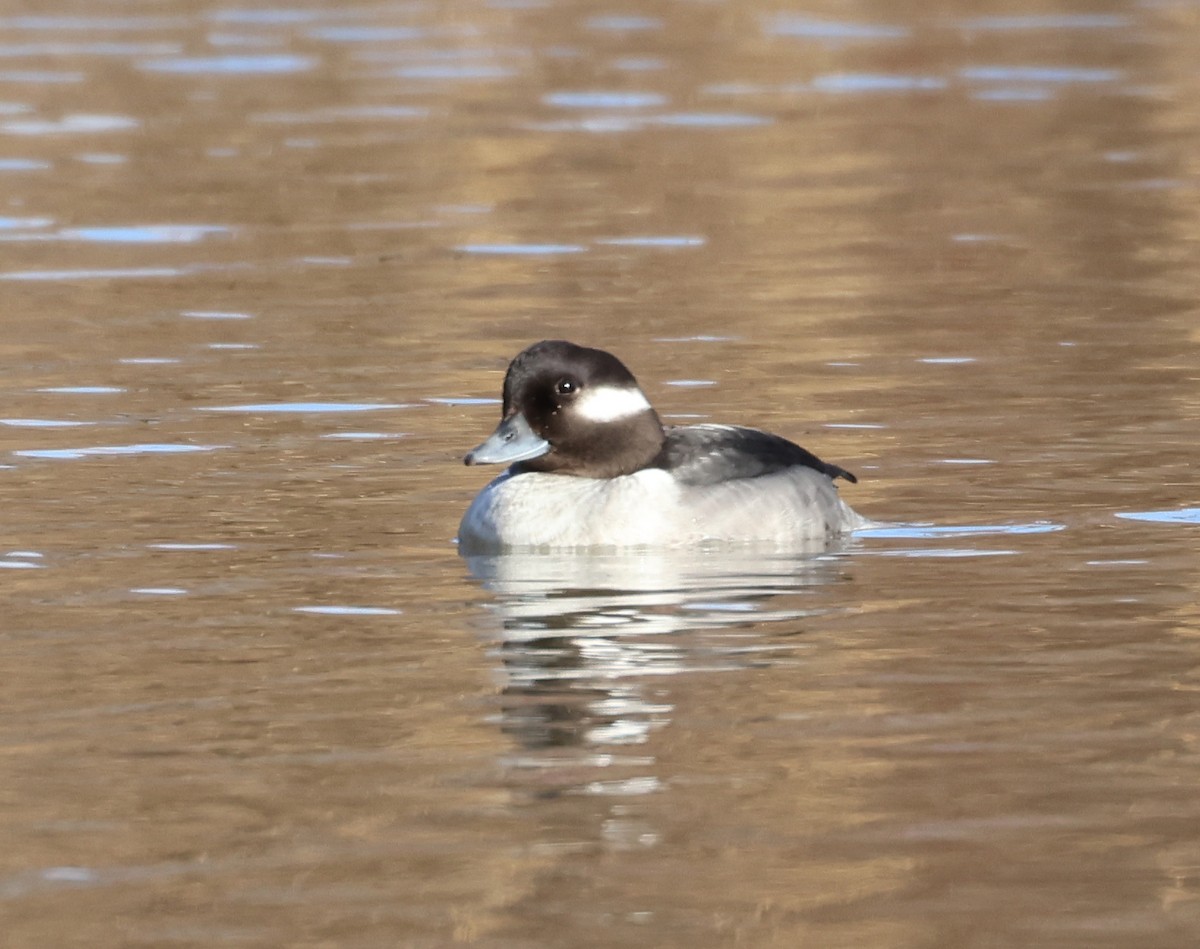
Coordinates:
[572,410]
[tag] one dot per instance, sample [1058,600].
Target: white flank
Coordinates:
[610,404]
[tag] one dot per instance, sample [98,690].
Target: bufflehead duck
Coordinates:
[592,466]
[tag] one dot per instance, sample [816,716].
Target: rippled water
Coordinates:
[263,267]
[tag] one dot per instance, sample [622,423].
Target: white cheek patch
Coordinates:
[610,404]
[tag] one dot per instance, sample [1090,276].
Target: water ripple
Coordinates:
[101,158]
[711,120]
[623,24]
[1039,74]
[932,532]
[653,241]
[215,315]
[82,390]
[639,63]
[1025,94]
[115,273]
[149,361]
[143,233]
[116,50]
[267,408]
[41,423]
[64,22]
[604,100]
[948,552]
[286,17]
[342,114]
[22,223]
[435,71]
[184,546]
[807,27]
[365,34]
[1061,21]
[876,82]
[272,64]
[71,454]
[365,436]
[23,164]
[41,77]
[70,124]
[521,249]
[1186,515]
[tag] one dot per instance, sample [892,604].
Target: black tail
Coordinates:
[835,472]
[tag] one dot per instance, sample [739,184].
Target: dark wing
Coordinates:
[707,454]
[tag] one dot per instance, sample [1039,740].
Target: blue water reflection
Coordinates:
[42,423]
[623,24]
[41,76]
[365,34]
[143,233]
[113,273]
[932,532]
[101,158]
[876,82]
[270,408]
[1186,515]
[710,120]
[75,22]
[72,454]
[76,123]
[150,361]
[266,17]
[83,390]
[107,49]
[364,113]
[653,241]
[1005,94]
[191,546]
[604,100]
[243,40]
[215,315]
[272,64]
[806,27]
[364,436]
[466,71]
[1058,75]
[1059,21]
[520,249]
[22,560]
[639,63]
[24,223]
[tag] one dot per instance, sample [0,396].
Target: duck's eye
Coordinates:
[566,387]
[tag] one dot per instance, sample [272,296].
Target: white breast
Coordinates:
[788,510]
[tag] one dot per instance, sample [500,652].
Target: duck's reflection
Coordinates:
[588,642]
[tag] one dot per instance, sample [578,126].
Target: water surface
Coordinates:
[263,270]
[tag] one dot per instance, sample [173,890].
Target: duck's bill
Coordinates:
[512,441]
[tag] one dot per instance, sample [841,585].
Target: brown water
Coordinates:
[262,267]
